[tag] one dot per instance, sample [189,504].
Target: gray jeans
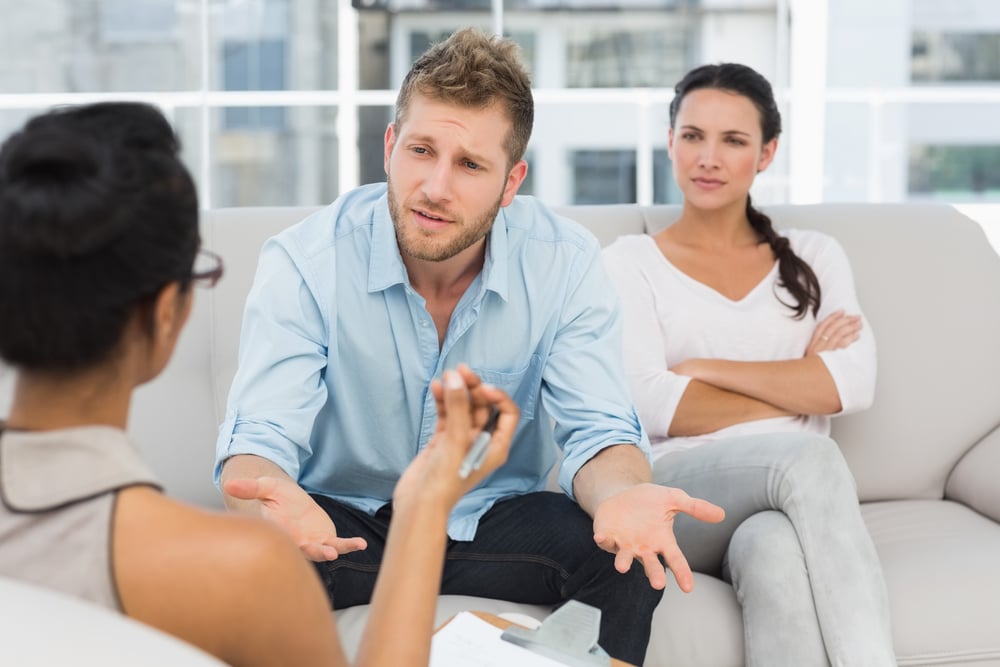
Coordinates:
[793,544]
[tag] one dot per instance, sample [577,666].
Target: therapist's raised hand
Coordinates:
[638,524]
[463,406]
[285,503]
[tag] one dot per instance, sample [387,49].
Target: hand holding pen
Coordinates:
[475,425]
[477,453]
[481,395]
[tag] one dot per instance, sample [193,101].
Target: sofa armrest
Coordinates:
[973,482]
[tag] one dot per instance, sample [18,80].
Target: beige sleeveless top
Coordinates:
[57,499]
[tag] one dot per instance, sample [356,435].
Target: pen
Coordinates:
[477,453]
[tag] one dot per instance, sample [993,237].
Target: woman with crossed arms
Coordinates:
[740,344]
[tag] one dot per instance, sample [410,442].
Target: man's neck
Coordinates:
[443,283]
[447,279]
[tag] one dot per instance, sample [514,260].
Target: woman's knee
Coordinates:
[764,547]
[818,462]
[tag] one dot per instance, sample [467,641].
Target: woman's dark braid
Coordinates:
[796,275]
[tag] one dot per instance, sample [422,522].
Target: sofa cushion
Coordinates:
[940,564]
[973,482]
[703,628]
[680,636]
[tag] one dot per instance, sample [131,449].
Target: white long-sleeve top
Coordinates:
[671,317]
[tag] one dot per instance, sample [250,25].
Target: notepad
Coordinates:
[469,641]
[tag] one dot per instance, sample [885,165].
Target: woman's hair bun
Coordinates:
[57,191]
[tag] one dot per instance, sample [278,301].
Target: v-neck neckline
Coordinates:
[708,288]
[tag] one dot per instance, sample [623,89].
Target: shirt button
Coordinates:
[423,323]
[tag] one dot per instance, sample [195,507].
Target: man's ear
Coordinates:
[388,143]
[515,177]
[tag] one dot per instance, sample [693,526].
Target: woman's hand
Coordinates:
[463,405]
[835,332]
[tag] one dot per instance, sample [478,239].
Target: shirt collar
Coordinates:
[496,269]
[386,267]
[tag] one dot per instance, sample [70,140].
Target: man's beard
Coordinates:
[418,244]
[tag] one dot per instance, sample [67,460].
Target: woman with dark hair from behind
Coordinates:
[740,344]
[99,250]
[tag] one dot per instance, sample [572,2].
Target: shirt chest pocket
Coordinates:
[523,385]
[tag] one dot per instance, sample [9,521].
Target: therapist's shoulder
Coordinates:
[190,572]
[156,536]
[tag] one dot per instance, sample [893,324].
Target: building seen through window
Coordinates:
[904,111]
[954,173]
[955,57]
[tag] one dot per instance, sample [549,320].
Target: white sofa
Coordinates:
[926,456]
[43,628]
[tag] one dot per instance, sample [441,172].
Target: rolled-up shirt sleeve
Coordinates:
[854,367]
[278,389]
[584,385]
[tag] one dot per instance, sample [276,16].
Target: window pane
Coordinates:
[622,57]
[374,61]
[254,65]
[421,40]
[295,164]
[665,190]
[52,46]
[284,45]
[372,122]
[603,177]
[953,56]
[955,173]
[125,21]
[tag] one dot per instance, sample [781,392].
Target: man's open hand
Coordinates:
[285,503]
[638,523]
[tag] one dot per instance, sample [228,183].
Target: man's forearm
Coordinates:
[610,471]
[247,466]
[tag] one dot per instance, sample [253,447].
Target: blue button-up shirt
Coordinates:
[337,353]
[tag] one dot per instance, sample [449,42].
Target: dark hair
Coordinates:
[97,215]
[796,274]
[472,69]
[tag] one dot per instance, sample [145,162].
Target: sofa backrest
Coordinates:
[929,283]
[926,276]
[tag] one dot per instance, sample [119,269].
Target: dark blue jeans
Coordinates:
[537,549]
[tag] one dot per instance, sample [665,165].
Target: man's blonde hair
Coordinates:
[474,70]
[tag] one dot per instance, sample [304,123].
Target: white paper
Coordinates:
[469,641]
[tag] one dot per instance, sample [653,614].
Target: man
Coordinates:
[356,309]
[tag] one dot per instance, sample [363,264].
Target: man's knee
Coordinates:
[632,585]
